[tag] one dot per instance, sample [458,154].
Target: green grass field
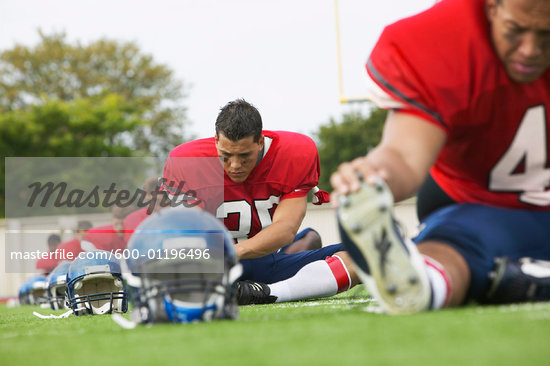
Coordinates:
[335,331]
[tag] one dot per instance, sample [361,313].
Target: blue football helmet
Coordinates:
[33,291]
[94,284]
[57,286]
[195,286]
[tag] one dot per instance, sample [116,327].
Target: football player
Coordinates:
[468,86]
[132,221]
[257,181]
[108,237]
[74,245]
[46,265]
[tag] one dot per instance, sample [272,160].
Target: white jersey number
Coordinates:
[529,148]
[244,210]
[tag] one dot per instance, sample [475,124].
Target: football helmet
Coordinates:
[56,286]
[33,291]
[94,284]
[181,289]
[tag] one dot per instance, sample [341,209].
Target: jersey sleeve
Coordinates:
[70,249]
[102,237]
[193,174]
[46,265]
[427,64]
[394,82]
[301,166]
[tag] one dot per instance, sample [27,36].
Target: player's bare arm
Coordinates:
[403,158]
[287,219]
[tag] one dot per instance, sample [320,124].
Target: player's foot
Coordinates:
[250,292]
[526,280]
[390,266]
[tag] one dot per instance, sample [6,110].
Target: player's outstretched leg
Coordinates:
[389,265]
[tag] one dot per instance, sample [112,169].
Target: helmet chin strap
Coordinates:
[51,316]
[123,322]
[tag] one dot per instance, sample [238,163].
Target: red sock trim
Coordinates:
[339,272]
[430,262]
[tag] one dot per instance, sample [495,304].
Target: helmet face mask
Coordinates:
[38,295]
[33,291]
[56,296]
[98,294]
[182,290]
[57,286]
[184,298]
[95,287]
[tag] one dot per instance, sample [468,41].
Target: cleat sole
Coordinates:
[391,268]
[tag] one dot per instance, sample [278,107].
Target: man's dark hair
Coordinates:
[239,119]
[54,239]
[121,212]
[84,225]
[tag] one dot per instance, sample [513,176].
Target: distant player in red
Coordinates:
[73,245]
[109,237]
[257,182]
[46,265]
[468,83]
[130,222]
[289,168]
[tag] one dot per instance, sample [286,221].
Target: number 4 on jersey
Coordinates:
[530,151]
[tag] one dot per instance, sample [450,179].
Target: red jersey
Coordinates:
[440,65]
[70,246]
[105,238]
[132,221]
[289,168]
[46,265]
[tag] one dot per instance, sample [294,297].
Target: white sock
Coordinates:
[439,280]
[322,278]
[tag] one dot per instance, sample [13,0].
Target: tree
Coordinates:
[57,69]
[82,127]
[95,126]
[338,142]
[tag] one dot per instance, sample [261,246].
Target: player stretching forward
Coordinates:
[468,83]
[266,178]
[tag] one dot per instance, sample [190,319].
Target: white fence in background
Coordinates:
[320,218]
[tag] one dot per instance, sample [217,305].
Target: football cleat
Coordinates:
[526,280]
[389,265]
[251,292]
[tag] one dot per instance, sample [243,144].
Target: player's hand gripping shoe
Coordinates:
[389,265]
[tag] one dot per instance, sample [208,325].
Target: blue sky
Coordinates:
[279,55]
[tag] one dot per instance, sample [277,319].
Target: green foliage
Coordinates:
[57,69]
[96,126]
[340,141]
[80,127]
[106,98]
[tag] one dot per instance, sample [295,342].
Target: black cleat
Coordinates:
[251,292]
[526,280]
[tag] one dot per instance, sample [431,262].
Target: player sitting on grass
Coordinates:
[257,181]
[468,83]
